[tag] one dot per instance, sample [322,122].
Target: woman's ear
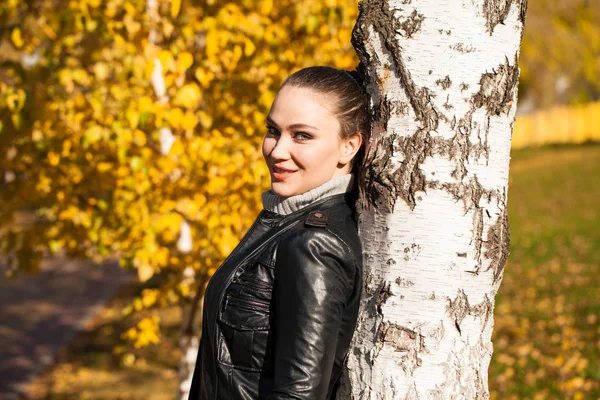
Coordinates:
[350,147]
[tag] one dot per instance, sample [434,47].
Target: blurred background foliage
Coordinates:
[84,151]
[82,127]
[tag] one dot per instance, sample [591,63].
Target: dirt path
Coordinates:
[40,313]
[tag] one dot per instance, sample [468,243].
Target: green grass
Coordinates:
[547,329]
[547,324]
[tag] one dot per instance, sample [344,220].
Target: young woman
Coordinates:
[280,311]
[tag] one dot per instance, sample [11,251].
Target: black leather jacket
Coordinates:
[280,311]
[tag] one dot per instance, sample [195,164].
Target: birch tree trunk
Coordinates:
[442,76]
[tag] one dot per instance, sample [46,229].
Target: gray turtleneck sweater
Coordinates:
[287,205]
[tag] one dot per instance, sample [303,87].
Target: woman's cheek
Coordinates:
[267,146]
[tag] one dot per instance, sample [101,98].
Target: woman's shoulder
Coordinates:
[327,229]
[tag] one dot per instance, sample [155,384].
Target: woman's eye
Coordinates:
[302,136]
[272,131]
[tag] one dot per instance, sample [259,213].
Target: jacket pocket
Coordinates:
[245,341]
[244,311]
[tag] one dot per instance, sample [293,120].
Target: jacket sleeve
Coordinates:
[314,276]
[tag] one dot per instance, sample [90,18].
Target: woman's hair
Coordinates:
[348,100]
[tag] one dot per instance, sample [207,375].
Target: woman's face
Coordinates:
[303,147]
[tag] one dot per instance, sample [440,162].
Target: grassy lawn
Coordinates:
[547,328]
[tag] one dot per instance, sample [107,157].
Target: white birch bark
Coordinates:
[442,76]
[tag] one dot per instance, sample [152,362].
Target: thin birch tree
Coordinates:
[442,77]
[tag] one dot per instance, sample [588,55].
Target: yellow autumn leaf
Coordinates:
[184,61]
[145,272]
[205,119]
[175,117]
[177,149]
[53,158]
[204,76]
[166,59]
[266,7]
[273,68]
[212,44]
[149,68]
[145,104]
[104,166]
[139,137]
[17,38]
[150,297]
[235,57]
[249,47]
[175,6]
[133,117]
[188,96]
[189,121]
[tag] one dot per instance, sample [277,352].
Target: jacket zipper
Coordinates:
[256,284]
[243,303]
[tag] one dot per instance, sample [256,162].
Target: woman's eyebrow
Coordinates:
[293,126]
[271,122]
[303,126]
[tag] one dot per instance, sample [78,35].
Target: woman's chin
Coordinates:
[283,190]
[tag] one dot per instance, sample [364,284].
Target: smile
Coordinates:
[281,174]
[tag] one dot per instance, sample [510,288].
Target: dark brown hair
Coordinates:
[348,100]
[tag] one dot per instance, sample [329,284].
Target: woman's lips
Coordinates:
[282,174]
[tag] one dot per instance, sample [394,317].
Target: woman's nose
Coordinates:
[281,151]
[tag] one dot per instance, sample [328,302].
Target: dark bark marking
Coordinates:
[457,326]
[496,11]
[447,104]
[399,108]
[462,48]
[481,391]
[470,193]
[380,179]
[463,86]
[403,340]
[384,185]
[444,83]
[415,247]
[409,177]
[383,293]
[478,236]
[497,88]
[497,244]
[459,308]
[404,282]
[368,283]
[410,25]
